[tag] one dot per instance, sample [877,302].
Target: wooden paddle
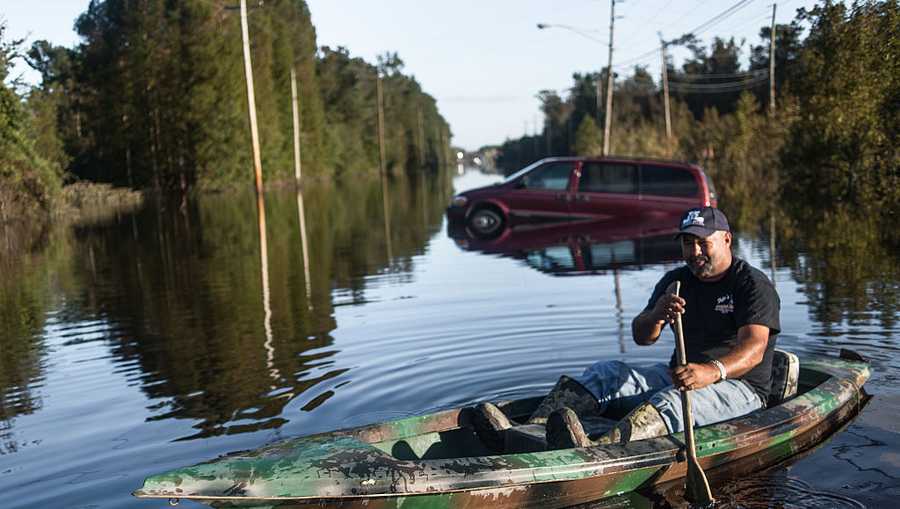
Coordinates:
[697,490]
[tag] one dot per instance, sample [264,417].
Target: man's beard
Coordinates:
[704,270]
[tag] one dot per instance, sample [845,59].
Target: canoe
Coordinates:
[437,461]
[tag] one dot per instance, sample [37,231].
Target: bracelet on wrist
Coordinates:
[721,367]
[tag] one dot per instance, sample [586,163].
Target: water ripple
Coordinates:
[787,493]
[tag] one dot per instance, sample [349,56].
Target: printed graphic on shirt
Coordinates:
[725,304]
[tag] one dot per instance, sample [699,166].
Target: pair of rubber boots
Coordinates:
[559,411]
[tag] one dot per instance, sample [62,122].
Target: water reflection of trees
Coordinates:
[846,266]
[188,283]
[26,264]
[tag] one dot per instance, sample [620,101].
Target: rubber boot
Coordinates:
[643,422]
[567,393]
[564,430]
[490,424]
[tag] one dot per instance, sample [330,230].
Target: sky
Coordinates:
[483,60]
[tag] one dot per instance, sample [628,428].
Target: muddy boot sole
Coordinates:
[564,430]
[490,424]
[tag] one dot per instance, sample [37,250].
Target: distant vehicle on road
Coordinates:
[585,189]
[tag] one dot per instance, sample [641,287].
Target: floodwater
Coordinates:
[172,335]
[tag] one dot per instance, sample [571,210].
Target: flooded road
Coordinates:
[170,336]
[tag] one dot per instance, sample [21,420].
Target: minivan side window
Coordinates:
[552,176]
[668,181]
[608,178]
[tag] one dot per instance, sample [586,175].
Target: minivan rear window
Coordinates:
[608,178]
[668,181]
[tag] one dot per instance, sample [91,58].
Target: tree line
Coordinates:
[153,96]
[832,140]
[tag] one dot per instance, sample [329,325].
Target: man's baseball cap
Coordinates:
[703,222]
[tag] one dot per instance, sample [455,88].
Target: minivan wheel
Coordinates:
[486,221]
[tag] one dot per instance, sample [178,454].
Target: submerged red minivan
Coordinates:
[568,188]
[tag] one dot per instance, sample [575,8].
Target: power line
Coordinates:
[761,76]
[710,92]
[637,59]
[717,87]
[690,11]
[698,29]
[755,72]
[758,19]
[647,23]
[742,22]
[715,20]
[658,12]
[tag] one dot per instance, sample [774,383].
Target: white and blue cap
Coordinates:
[703,222]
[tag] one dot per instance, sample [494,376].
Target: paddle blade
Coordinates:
[697,490]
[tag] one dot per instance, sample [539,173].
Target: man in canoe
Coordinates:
[730,314]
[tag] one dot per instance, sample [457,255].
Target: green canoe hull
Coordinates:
[435,460]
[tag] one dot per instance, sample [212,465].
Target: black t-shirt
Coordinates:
[716,310]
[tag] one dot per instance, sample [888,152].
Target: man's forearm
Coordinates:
[748,352]
[645,329]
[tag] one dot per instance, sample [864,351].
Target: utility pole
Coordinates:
[522,159]
[548,135]
[609,80]
[380,98]
[251,101]
[295,107]
[772,64]
[665,80]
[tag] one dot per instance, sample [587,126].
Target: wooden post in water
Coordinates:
[301,214]
[385,199]
[380,98]
[772,65]
[620,310]
[295,109]
[665,80]
[251,101]
[772,245]
[383,170]
[266,294]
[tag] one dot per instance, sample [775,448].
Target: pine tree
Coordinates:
[588,139]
